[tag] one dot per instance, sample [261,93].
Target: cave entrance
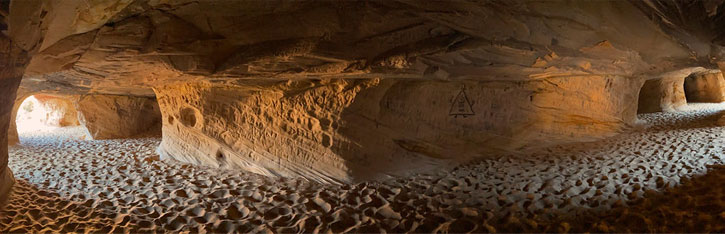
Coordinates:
[704,88]
[649,99]
[52,116]
[674,93]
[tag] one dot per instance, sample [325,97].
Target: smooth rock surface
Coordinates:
[664,94]
[13,61]
[112,116]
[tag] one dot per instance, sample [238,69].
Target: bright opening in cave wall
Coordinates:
[44,114]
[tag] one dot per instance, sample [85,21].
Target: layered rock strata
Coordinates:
[346,130]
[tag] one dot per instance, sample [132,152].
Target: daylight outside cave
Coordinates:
[131,116]
[48,116]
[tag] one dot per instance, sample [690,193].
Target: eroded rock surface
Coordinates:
[343,130]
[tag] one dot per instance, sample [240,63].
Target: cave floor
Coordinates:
[664,176]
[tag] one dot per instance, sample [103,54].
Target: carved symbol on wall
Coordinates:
[461,105]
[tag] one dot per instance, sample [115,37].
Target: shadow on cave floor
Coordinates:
[662,178]
[31,209]
[697,205]
[586,179]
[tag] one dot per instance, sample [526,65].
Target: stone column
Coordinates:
[12,64]
[13,129]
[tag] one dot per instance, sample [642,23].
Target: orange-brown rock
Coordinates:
[112,116]
[705,87]
[13,137]
[345,90]
[346,130]
[12,65]
[663,94]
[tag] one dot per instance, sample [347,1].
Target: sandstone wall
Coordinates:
[707,87]
[663,94]
[348,130]
[13,137]
[12,65]
[8,88]
[534,73]
[113,116]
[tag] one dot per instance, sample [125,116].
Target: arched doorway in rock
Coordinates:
[119,117]
[43,115]
[84,117]
[704,88]
[661,94]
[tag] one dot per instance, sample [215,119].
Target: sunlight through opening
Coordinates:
[45,114]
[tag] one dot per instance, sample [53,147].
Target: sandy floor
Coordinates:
[662,177]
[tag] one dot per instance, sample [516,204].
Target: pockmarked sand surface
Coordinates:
[664,175]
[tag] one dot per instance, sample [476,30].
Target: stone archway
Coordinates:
[41,111]
[705,87]
[115,116]
[663,94]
